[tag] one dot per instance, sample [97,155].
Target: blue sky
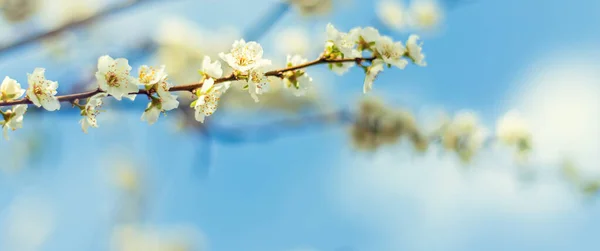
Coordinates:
[310,189]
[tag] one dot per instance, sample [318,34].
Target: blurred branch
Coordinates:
[265,24]
[118,8]
[273,130]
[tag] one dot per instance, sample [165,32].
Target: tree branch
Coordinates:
[103,13]
[191,87]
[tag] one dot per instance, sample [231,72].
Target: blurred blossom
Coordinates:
[463,135]
[146,238]
[559,97]
[293,40]
[572,173]
[512,130]
[58,13]
[127,177]
[392,13]
[18,10]
[183,45]
[28,223]
[313,7]
[421,15]
[376,125]
[60,46]
[129,181]
[425,14]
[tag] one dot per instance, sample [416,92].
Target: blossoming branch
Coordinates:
[342,51]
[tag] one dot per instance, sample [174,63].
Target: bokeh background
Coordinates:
[284,174]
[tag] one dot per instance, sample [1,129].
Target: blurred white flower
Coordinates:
[465,122]
[18,10]
[511,127]
[513,130]
[208,98]
[245,56]
[464,135]
[182,43]
[391,52]
[13,119]
[90,111]
[425,14]
[28,224]
[113,77]
[10,89]
[392,14]
[62,12]
[127,177]
[313,7]
[372,72]
[41,91]
[414,50]
[295,40]
[147,238]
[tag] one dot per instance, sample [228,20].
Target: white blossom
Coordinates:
[343,42]
[212,70]
[372,72]
[392,14]
[157,80]
[414,50]
[149,76]
[366,37]
[208,98]
[245,56]
[90,111]
[257,83]
[10,89]
[512,129]
[297,80]
[151,113]
[41,91]
[391,52]
[13,119]
[157,106]
[341,68]
[113,77]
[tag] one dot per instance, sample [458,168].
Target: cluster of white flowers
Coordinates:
[376,125]
[464,135]
[384,51]
[420,15]
[342,51]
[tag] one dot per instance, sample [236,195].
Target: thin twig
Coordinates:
[103,13]
[191,87]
